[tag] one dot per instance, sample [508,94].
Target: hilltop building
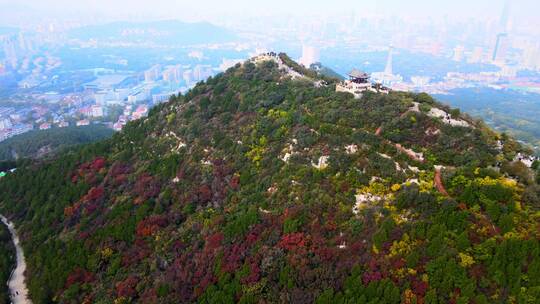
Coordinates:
[358,83]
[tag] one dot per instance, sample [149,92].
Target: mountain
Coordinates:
[325,71]
[265,185]
[159,32]
[39,143]
[7,257]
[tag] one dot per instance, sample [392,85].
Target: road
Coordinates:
[17,286]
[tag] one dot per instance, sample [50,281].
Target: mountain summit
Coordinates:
[265,185]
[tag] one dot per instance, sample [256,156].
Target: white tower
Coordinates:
[310,55]
[388,69]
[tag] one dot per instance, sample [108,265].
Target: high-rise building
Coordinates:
[530,58]
[459,53]
[97,111]
[10,52]
[5,123]
[173,74]
[100,98]
[201,72]
[505,16]
[501,48]
[388,70]
[477,55]
[152,74]
[188,76]
[310,55]
[387,77]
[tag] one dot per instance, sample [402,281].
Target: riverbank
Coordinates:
[17,286]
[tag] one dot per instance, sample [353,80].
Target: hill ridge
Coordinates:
[257,186]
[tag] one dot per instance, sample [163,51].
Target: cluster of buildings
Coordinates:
[12,122]
[112,97]
[178,74]
[129,114]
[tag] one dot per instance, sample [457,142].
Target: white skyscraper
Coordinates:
[501,48]
[505,17]
[387,77]
[388,70]
[459,53]
[310,55]
[477,55]
[530,58]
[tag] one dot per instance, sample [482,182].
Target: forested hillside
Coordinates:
[264,185]
[39,143]
[7,262]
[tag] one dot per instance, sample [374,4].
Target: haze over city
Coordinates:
[282,151]
[523,10]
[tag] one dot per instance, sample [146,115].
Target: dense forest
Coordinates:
[38,143]
[7,262]
[264,185]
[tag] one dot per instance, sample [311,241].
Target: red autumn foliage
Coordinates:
[151,225]
[292,241]
[118,169]
[120,179]
[233,256]
[126,288]
[357,246]
[146,186]
[254,274]
[70,211]
[88,170]
[326,254]
[399,263]
[252,237]
[204,194]
[135,254]
[373,264]
[235,182]
[330,226]
[83,235]
[97,164]
[477,271]
[370,276]
[94,194]
[419,287]
[91,207]
[214,241]
[79,275]
[91,178]
[149,296]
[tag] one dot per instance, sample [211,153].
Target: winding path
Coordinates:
[438,181]
[17,286]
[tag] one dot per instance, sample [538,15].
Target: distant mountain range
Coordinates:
[160,32]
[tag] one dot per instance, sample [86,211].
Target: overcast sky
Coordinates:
[522,10]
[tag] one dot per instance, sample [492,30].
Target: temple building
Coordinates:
[358,83]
